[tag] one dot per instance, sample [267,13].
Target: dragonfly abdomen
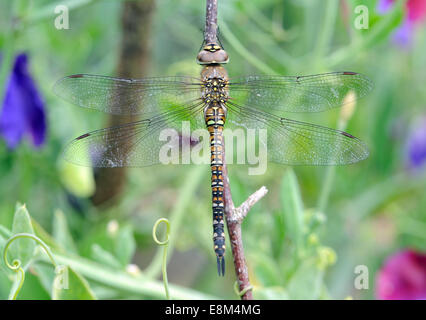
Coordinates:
[215,116]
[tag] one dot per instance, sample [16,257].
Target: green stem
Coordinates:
[6,61]
[412,227]
[377,195]
[186,195]
[164,271]
[271,26]
[326,188]
[256,16]
[122,281]
[244,52]
[328,179]
[14,293]
[270,48]
[309,26]
[326,34]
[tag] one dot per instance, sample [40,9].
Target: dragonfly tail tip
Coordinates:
[221,266]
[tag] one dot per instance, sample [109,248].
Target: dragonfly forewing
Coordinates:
[148,96]
[299,93]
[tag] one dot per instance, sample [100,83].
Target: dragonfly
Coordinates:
[213,101]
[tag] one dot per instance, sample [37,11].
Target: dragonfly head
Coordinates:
[212,53]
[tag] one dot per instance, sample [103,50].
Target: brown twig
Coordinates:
[210,31]
[133,63]
[234,219]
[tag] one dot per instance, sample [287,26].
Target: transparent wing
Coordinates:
[127,96]
[292,142]
[298,94]
[161,139]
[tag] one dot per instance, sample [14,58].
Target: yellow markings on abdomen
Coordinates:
[215,120]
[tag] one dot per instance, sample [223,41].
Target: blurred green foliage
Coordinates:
[294,251]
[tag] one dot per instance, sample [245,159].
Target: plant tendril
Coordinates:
[242,292]
[164,243]
[16,263]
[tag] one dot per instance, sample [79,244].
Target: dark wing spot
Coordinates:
[83,136]
[76,76]
[349,73]
[347,135]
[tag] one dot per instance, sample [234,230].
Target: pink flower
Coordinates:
[416,10]
[416,14]
[403,277]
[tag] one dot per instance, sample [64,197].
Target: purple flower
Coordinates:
[384,6]
[22,109]
[416,145]
[416,14]
[403,277]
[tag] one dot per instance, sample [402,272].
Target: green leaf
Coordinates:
[3,267]
[266,269]
[61,232]
[278,234]
[15,286]
[22,249]
[45,274]
[306,282]
[105,257]
[69,285]
[125,245]
[292,208]
[270,293]
[5,286]
[32,288]
[5,232]
[47,238]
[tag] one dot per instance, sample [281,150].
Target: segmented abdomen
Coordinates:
[215,120]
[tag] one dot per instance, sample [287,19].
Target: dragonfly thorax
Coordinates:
[215,84]
[215,90]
